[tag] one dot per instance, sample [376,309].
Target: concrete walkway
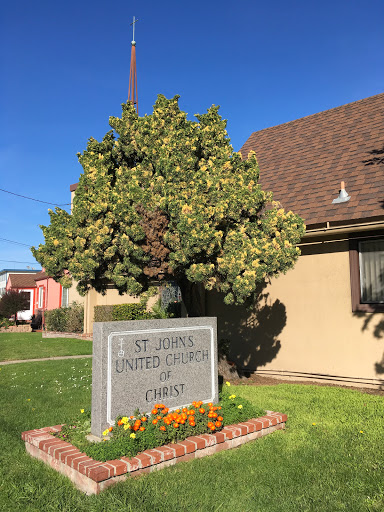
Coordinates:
[3,363]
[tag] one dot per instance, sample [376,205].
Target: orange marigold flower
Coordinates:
[163,428]
[154,411]
[161,406]
[176,425]
[166,410]
[178,411]
[185,409]
[119,423]
[213,428]
[210,404]
[220,418]
[192,412]
[154,422]
[144,418]
[110,429]
[218,424]
[142,429]
[201,410]
[131,417]
[136,427]
[157,406]
[158,417]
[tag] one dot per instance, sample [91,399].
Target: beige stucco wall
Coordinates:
[111,297]
[304,325]
[73,294]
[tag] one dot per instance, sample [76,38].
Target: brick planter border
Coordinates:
[92,476]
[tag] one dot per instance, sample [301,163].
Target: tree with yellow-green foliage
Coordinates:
[165,198]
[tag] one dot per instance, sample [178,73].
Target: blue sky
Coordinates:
[65,69]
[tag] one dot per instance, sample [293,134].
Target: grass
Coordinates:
[330,457]
[31,345]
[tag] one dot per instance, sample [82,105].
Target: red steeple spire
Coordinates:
[132,90]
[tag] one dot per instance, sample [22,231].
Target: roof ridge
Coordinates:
[314,114]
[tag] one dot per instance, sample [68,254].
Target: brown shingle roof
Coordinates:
[22,280]
[40,275]
[304,161]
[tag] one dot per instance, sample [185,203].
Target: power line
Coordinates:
[13,242]
[12,261]
[32,199]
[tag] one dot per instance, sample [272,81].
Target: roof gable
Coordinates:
[21,281]
[304,161]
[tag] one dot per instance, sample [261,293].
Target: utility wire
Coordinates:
[32,199]
[29,262]
[13,242]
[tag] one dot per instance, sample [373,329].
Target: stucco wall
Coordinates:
[303,325]
[73,295]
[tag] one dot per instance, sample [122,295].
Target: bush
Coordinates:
[130,312]
[4,322]
[70,319]
[121,312]
[56,319]
[75,318]
[103,313]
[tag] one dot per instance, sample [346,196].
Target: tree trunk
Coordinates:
[193,295]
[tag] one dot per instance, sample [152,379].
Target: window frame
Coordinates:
[354,266]
[40,298]
[64,292]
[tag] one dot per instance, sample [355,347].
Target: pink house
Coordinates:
[24,283]
[49,293]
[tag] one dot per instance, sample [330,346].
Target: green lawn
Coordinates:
[335,465]
[31,345]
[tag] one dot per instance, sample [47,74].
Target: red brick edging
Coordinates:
[92,477]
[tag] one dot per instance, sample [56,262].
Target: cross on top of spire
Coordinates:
[133,30]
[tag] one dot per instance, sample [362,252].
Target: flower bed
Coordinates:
[134,434]
[92,476]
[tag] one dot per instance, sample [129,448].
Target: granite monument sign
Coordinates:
[137,364]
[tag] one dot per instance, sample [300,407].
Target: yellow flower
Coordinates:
[227,383]
[28,399]
[361,431]
[106,432]
[124,420]
[240,406]
[81,410]
[232,397]
[133,435]
[313,424]
[126,426]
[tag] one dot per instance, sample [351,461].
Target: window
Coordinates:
[27,296]
[41,296]
[367,274]
[64,298]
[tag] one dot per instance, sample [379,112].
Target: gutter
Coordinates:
[349,228]
[339,231]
